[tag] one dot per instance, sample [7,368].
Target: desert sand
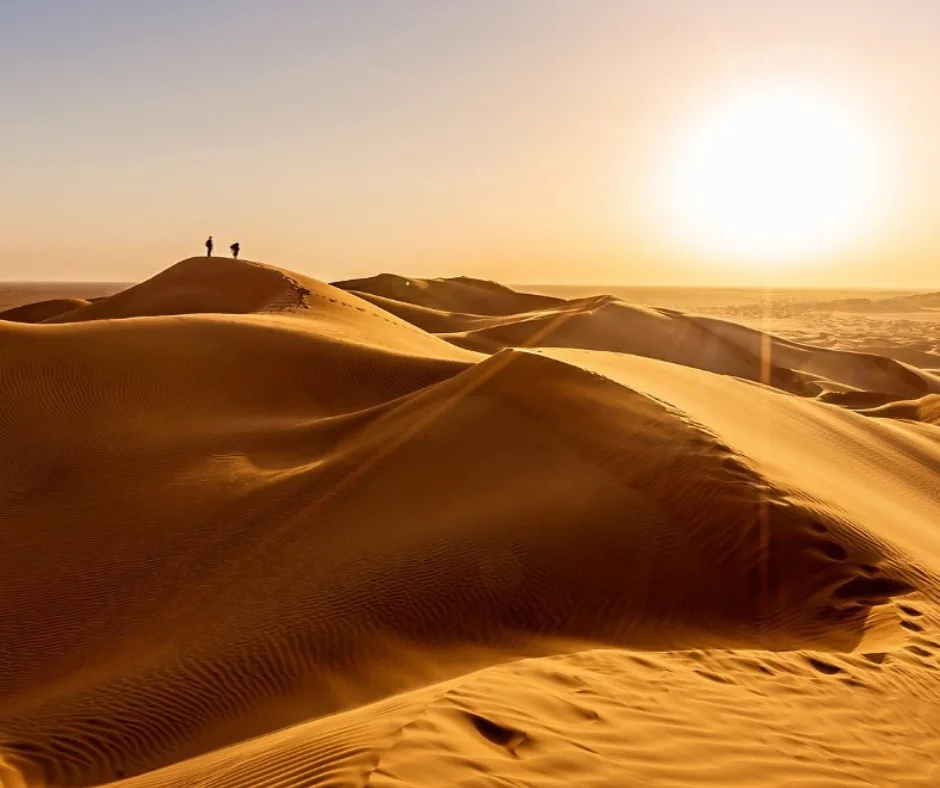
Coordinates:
[260,530]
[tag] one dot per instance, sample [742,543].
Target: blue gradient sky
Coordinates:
[511,139]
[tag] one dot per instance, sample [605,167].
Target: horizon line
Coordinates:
[516,285]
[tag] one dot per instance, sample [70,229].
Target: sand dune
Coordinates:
[461,294]
[261,530]
[926,409]
[786,304]
[608,323]
[43,310]
[896,304]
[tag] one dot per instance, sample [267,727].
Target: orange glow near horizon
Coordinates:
[720,143]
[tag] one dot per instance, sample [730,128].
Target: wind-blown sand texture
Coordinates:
[264,531]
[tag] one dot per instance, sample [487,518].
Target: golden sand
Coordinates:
[264,531]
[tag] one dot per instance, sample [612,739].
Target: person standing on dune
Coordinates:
[209,246]
[235,249]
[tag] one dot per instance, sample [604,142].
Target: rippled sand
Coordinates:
[264,531]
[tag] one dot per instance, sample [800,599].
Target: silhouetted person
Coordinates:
[209,246]
[235,249]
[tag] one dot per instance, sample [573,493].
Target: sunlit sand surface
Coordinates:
[260,530]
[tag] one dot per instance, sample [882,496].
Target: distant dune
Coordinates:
[260,530]
[43,310]
[14,294]
[794,303]
[906,303]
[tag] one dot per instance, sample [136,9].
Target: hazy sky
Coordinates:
[512,139]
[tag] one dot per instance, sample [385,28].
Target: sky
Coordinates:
[518,140]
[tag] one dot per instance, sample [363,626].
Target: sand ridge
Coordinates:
[609,323]
[41,311]
[264,531]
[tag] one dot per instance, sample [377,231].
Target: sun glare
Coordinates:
[776,175]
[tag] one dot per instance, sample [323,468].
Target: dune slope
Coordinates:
[262,531]
[611,324]
[42,310]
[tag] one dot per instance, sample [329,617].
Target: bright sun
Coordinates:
[775,175]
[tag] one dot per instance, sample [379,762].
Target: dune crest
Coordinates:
[200,284]
[262,530]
